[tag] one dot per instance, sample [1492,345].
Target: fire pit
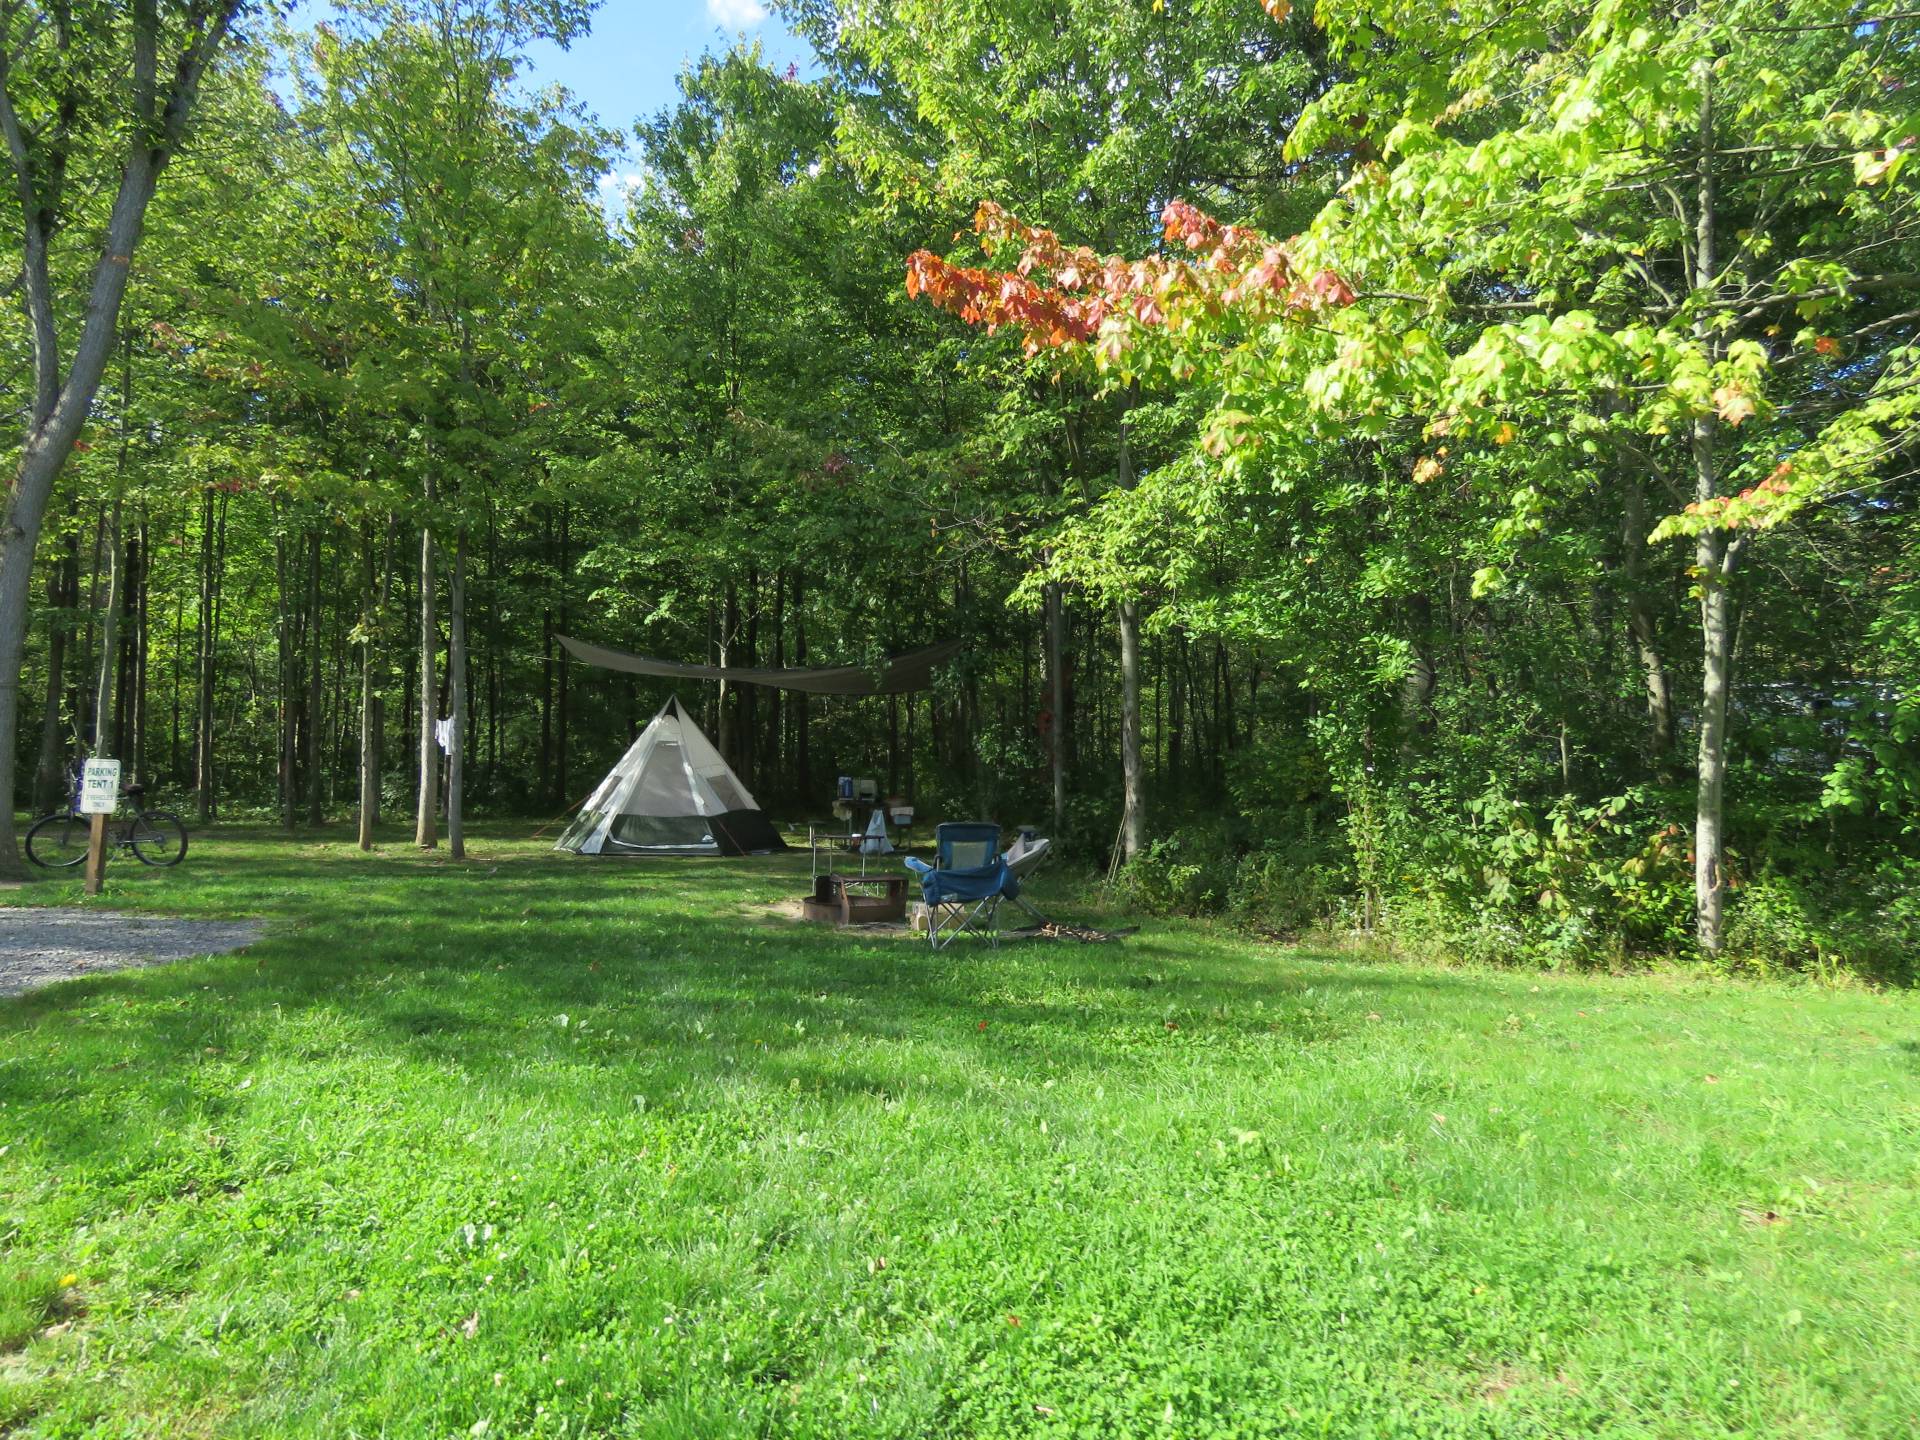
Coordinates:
[856,899]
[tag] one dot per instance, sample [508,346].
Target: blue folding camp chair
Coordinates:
[965,884]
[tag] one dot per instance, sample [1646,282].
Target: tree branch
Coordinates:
[33,262]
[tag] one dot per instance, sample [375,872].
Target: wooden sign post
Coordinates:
[96,855]
[99,796]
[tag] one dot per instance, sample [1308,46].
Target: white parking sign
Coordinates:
[100,787]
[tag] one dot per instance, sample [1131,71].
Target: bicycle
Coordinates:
[60,840]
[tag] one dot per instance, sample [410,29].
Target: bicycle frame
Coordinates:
[120,827]
[59,839]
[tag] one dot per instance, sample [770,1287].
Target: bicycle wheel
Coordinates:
[58,841]
[158,838]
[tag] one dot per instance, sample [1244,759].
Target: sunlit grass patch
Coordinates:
[547,1145]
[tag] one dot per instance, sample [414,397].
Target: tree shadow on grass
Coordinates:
[472,968]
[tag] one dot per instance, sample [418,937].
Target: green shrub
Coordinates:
[1288,890]
[1282,884]
[1864,923]
[1564,885]
[1186,873]
[1571,885]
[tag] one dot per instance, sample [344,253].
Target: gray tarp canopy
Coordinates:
[912,671]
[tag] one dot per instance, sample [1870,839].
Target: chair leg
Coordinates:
[944,922]
[983,919]
[957,917]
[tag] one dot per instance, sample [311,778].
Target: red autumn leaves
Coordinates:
[1733,510]
[986,297]
[1235,268]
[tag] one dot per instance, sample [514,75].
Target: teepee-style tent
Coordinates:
[671,794]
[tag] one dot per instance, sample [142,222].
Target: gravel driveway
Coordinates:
[38,947]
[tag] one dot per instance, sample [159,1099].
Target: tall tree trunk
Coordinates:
[729,625]
[203,701]
[457,671]
[1641,627]
[802,760]
[893,745]
[910,789]
[1133,830]
[1133,780]
[1025,711]
[370,617]
[175,767]
[749,696]
[1253,696]
[109,660]
[493,649]
[343,733]
[1176,705]
[106,711]
[87,676]
[424,818]
[62,402]
[549,791]
[1217,728]
[174,763]
[124,686]
[1057,702]
[63,586]
[1422,679]
[1159,707]
[140,573]
[1715,555]
[771,741]
[315,707]
[563,716]
[287,668]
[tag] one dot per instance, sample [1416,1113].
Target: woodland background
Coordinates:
[395,398]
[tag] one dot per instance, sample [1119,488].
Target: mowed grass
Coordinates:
[535,1145]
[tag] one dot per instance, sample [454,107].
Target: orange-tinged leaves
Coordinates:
[1237,270]
[1733,404]
[1278,9]
[1328,288]
[1870,167]
[1751,506]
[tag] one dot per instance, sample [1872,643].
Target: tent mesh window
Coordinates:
[663,788]
[726,791]
[673,832]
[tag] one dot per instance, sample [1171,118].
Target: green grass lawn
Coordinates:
[538,1145]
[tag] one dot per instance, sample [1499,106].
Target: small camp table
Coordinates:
[828,836]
